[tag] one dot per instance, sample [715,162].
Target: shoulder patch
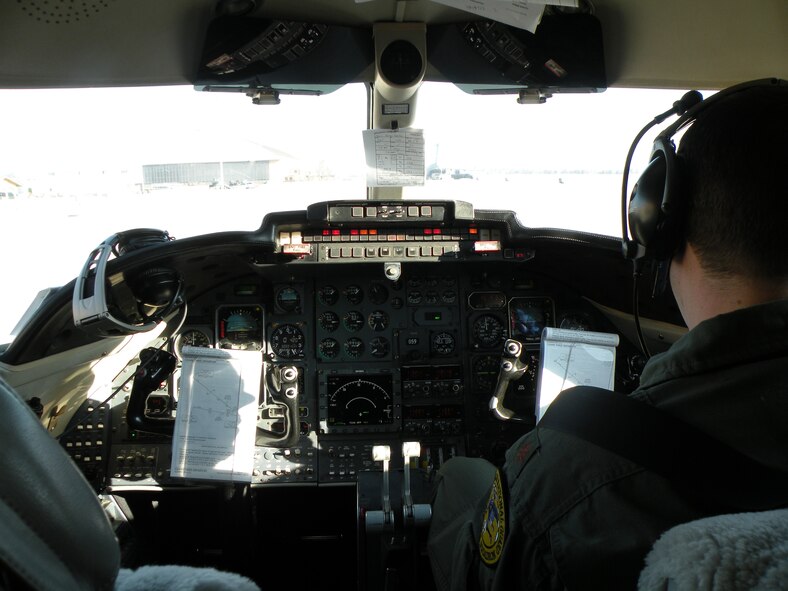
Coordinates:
[493,524]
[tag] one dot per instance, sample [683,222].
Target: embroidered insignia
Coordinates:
[522,453]
[493,524]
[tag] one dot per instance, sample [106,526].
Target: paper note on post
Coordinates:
[520,14]
[395,158]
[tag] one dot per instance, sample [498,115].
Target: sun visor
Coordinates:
[565,54]
[244,53]
[291,57]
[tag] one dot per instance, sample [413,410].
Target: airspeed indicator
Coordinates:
[488,331]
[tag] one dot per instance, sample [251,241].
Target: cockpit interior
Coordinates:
[275,401]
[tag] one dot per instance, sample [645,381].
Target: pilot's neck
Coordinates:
[701,295]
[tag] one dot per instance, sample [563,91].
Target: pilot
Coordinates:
[564,513]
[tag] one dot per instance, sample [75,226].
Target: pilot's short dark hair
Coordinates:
[735,172]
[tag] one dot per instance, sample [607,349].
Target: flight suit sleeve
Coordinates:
[580,517]
[461,488]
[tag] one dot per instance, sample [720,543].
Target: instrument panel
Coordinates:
[395,340]
[379,361]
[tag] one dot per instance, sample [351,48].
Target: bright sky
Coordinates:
[70,147]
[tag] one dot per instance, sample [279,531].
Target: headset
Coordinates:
[108,305]
[656,211]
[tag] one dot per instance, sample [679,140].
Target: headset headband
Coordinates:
[691,113]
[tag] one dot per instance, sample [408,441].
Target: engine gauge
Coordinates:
[353,321]
[328,321]
[287,341]
[239,327]
[288,299]
[449,296]
[378,294]
[354,348]
[488,331]
[415,297]
[379,347]
[443,343]
[378,320]
[193,337]
[328,348]
[353,294]
[328,295]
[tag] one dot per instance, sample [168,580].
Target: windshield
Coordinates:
[77,165]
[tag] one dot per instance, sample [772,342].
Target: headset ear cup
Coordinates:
[158,291]
[654,206]
[645,204]
[673,201]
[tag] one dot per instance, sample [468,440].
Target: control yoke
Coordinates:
[282,387]
[512,369]
[155,366]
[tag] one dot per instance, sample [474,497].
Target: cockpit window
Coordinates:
[557,164]
[85,163]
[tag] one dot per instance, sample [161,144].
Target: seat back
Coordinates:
[725,553]
[53,532]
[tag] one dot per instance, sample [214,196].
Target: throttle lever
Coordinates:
[282,387]
[512,369]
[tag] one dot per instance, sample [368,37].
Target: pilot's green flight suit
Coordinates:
[580,517]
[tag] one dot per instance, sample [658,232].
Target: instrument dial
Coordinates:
[328,348]
[288,299]
[353,321]
[576,321]
[354,294]
[488,331]
[443,343]
[379,347]
[240,328]
[287,341]
[328,295]
[192,338]
[354,347]
[378,320]
[328,321]
[414,297]
[378,294]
